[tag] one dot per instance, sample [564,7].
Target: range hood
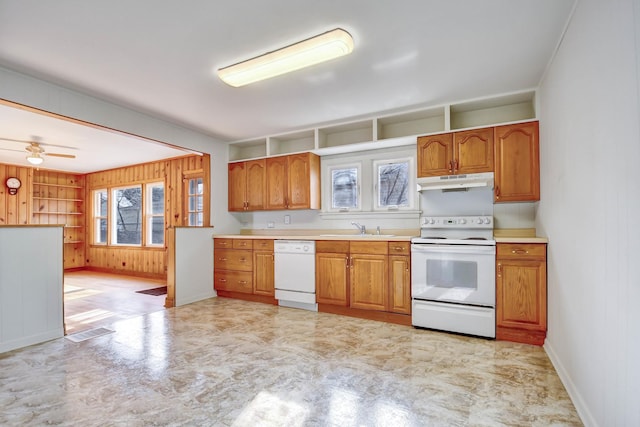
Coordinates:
[456,182]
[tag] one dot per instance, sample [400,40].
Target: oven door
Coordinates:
[463,274]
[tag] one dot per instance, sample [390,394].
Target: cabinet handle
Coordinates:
[242,282]
[455,166]
[519,251]
[406,268]
[222,259]
[243,260]
[351,262]
[499,270]
[497,191]
[243,243]
[222,280]
[451,166]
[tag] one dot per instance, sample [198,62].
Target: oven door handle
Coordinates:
[452,249]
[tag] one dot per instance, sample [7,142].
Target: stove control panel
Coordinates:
[456,222]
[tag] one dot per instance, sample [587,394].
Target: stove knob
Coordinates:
[480,220]
[487,220]
[463,221]
[432,221]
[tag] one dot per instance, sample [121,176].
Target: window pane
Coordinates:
[393,181]
[102,230]
[195,186]
[157,199]
[128,210]
[157,230]
[101,203]
[344,188]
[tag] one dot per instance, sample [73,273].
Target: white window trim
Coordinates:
[149,215]
[114,217]
[411,184]
[329,185]
[97,217]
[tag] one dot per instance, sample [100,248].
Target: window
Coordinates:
[195,205]
[345,188]
[127,211]
[154,213]
[368,184]
[100,214]
[392,184]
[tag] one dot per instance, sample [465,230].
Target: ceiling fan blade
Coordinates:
[37,141]
[66,156]
[16,140]
[10,149]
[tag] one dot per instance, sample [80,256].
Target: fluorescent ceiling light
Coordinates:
[326,46]
[35,159]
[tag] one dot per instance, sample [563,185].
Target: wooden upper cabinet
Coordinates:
[276,174]
[293,182]
[247,185]
[435,153]
[473,151]
[517,169]
[256,184]
[237,186]
[456,153]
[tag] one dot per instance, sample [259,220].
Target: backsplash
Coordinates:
[515,215]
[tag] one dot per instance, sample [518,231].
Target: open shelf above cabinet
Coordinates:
[391,130]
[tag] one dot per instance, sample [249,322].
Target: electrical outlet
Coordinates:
[287,219]
[271,224]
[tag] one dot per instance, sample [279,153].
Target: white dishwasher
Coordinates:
[295,273]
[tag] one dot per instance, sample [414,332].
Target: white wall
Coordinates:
[36,93]
[590,210]
[193,264]
[30,285]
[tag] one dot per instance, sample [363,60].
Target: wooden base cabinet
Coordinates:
[243,269]
[521,293]
[361,279]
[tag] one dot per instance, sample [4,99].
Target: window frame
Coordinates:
[97,218]
[187,199]
[351,165]
[114,224]
[149,216]
[411,184]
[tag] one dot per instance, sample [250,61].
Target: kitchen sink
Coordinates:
[362,236]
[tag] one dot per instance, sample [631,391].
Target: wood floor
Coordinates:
[93,299]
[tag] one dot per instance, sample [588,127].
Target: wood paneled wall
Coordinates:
[142,261]
[16,209]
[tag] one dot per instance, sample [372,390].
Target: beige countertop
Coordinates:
[391,235]
[518,235]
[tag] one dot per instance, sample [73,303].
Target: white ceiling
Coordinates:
[160,56]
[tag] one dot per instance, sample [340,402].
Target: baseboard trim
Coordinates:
[575,396]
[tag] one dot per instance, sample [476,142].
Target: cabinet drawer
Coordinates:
[263,245]
[399,248]
[236,281]
[233,259]
[374,248]
[219,243]
[332,246]
[242,243]
[521,250]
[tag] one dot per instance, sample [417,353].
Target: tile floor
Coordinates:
[223,362]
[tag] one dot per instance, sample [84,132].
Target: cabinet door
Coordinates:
[332,279]
[517,168]
[237,186]
[303,181]
[435,154]
[399,284]
[521,294]
[256,184]
[263,275]
[473,151]
[276,176]
[368,282]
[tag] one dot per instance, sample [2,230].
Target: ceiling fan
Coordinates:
[35,153]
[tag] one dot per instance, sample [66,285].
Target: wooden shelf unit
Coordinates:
[58,198]
[391,130]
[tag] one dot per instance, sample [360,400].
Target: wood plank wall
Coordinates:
[16,209]
[31,202]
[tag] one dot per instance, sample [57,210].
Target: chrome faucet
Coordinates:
[362,228]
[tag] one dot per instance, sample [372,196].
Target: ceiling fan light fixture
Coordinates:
[321,48]
[35,159]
